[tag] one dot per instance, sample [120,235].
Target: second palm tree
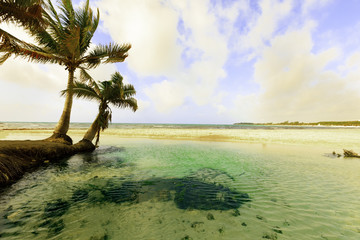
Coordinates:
[113,92]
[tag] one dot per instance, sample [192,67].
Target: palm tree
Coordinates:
[66,41]
[113,92]
[26,13]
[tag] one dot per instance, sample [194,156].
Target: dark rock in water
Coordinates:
[191,193]
[350,153]
[286,223]
[277,229]
[196,224]
[187,237]
[104,237]
[80,195]
[236,213]
[210,216]
[56,209]
[127,192]
[272,236]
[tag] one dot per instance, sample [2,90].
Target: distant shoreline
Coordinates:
[16,125]
[296,123]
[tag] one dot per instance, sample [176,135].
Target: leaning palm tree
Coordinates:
[66,41]
[113,92]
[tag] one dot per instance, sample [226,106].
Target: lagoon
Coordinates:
[250,183]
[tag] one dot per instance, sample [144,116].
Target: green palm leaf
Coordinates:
[27,13]
[110,53]
[82,90]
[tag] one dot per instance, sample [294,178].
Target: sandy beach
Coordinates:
[335,139]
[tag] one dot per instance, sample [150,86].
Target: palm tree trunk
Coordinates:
[62,126]
[93,129]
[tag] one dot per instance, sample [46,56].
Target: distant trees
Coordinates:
[65,41]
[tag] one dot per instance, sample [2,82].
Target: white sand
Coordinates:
[334,139]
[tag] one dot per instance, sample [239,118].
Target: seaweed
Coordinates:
[80,195]
[190,193]
[194,194]
[56,227]
[56,209]
[127,192]
[210,216]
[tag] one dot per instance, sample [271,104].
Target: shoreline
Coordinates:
[327,137]
[18,156]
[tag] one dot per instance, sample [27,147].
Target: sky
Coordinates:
[209,62]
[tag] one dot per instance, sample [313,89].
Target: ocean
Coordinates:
[163,181]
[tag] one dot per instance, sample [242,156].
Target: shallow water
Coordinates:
[135,189]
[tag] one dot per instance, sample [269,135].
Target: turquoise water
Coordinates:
[168,189]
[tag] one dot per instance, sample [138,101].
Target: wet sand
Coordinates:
[333,139]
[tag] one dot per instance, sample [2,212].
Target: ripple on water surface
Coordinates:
[185,190]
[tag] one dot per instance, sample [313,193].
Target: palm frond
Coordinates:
[10,45]
[88,25]
[4,57]
[27,13]
[86,78]
[111,53]
[125,103]
[71,41]
[82,90]
[68,14]
[129,90]
[53,17]
[116,77]
[47,41]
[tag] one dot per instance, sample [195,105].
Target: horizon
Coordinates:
[168,123]
[209,62]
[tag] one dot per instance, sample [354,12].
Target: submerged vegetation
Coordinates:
[187,193]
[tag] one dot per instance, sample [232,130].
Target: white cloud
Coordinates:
[260,25]
[151,28]
[296,84]
[271,13]
[166,95]
[309,5]
[183,42]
